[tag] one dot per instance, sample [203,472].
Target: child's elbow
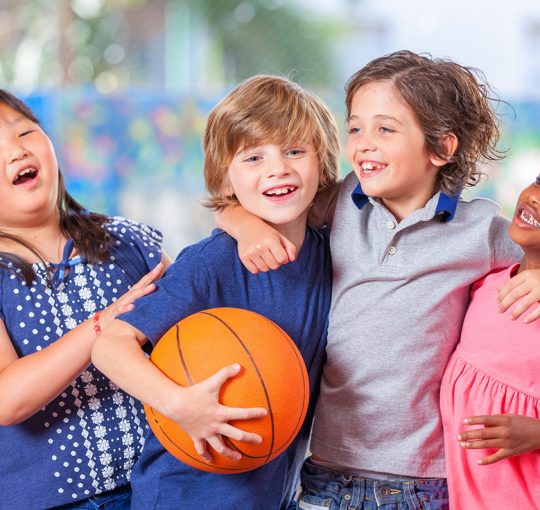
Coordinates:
[11,414]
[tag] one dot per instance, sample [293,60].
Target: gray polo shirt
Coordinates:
[400,291]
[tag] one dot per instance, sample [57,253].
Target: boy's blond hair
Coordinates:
[266,109]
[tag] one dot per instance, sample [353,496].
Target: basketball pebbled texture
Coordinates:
[273,376]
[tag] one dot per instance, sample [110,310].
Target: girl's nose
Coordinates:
[15,152]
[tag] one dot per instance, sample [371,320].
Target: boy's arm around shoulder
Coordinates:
[262,248]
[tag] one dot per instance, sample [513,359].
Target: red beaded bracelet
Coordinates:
[96,326]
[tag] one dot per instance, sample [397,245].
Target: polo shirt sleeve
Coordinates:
[183,290]
[504,252]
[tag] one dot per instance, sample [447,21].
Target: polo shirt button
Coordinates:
[347,497]
[392,250]
[390,225]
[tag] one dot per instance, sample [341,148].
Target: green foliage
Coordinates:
[263,36]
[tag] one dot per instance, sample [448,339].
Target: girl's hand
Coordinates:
[508,433]
[125,302]
[201,415]
[264,248]
[525,286]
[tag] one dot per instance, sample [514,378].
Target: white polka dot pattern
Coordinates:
[86,441]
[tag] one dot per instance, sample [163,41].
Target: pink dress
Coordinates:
[494,370]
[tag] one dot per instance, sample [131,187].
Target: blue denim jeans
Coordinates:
[117,499]
[323,489]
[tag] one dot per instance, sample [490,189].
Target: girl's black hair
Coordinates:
[91,239]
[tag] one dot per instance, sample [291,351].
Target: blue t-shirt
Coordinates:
[297,298]
[87,439]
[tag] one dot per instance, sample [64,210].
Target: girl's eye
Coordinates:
[24,133]
[252,159]
[386,130]
[354,130]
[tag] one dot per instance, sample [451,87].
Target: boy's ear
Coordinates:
[449,143]
[226,186]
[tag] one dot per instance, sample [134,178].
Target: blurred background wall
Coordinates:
[124,86]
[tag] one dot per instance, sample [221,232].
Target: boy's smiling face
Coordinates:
[387,150]
[276,183]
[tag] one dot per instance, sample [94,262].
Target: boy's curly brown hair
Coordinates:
[446,97]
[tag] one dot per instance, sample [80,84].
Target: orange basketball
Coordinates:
[273,376]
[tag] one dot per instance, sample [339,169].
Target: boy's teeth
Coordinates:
[367,165]
[280,191]
[528,218]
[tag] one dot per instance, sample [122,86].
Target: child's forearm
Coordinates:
[235,220]
[31,382]
[118,354]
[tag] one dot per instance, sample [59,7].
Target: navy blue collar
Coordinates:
[446,206]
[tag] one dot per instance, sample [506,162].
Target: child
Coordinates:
[68,434]
[405,250]
[492,380]
[270,146]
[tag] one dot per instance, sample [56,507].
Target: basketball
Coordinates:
[273,376]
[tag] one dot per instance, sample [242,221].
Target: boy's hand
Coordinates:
[525,286]
[264,249]
[202,416]
[508,433]
[260,246]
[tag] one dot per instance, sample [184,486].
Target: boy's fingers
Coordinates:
[245,413]
[280,255]
[239,435]
[250,266]
[200,448]
[222,375]
[290,248]
[262,266]
[271,261]
[217,443]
